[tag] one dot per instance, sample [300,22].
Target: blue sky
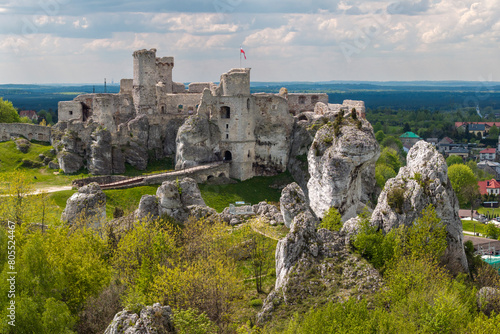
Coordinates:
[70,41]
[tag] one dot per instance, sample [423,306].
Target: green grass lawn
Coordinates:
[11,159]
[467,225]
[126,199]
[255,190]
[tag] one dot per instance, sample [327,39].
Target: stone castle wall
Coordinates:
[305,102]
[29,131]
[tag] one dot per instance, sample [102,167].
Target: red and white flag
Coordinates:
[242,51]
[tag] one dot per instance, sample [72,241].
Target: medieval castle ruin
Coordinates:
[153,117]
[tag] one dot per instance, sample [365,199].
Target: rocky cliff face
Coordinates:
[154,319]
[197,141]
[87,206]
[314,266]
[423,181]
[342,161]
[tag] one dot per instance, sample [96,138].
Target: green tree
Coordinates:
[492,231]
[453,160]
[332,220]
[383,173]
[390,157]
[392,142]
[461,176]
[8,114]
[494,132]
[379,136]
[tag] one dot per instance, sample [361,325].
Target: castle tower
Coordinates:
[145,79]
[164,69]
[236,82]
[237,122]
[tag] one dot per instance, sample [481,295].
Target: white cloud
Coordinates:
[83,23]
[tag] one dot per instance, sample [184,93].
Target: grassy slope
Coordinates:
[467,225]
[255,190]
[11,159]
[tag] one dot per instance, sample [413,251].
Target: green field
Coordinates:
[469,226]
[255,190]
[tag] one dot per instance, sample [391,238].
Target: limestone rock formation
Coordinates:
[270,212]
[197,142]
[292,202]
[87,206]
[23,145]
[342,167]
[423,181]
[313,267]
[100,152]
[148,208]
[154,319]
[178,199]
[53,165]
[70,162]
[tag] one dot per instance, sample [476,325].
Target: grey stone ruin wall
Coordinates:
[29,131]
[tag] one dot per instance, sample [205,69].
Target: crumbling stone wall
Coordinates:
[304,102]
[28,131]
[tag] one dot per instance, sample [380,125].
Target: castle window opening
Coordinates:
[162,109]
[228,156]
[248,104]
[227,136]
[248,154]
[227,126]
[314,99]
[180,107]
[225,112]
[71,112]
[302,99]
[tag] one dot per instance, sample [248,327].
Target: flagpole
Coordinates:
[240,56]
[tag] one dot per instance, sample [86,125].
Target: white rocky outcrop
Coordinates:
[178,199]
[87,206]
[316,264]
[423,181]
[342,167]
[154,319]
[292,202]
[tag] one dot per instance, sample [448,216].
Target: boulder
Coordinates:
[423,181]
[70,162]
[270,212]
[136,155]
[342,167]
[87,206]
[177,198]
[23,145]
[53,165]
[148,208]
[154,319]
[292,202]
[100,162]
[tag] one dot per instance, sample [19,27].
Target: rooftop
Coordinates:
[488,151]
[409,135]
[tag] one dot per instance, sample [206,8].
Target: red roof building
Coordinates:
[489,187]
[31,114]
[488,154]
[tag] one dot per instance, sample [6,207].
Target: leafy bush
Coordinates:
[396,199]
[332,220]
[256,302]
[190,322]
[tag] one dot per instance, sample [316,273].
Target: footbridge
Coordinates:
[200,173]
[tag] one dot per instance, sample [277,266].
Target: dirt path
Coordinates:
[52,189]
